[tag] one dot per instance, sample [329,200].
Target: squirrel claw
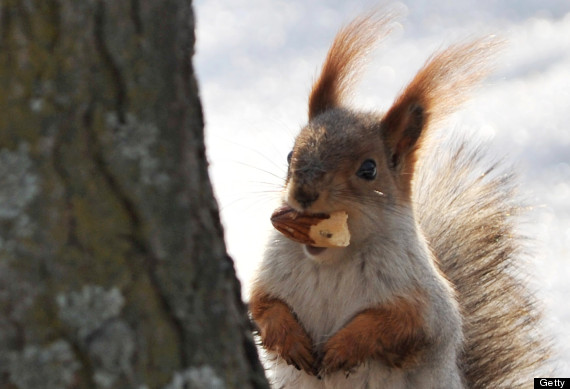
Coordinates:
[301,359]
[332,362]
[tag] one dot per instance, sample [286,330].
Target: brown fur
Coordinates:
[436,91]
[281,332]
[393,333]
[344,60]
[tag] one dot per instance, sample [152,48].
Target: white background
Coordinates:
[255,62]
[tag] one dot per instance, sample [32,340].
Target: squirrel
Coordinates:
[427,294]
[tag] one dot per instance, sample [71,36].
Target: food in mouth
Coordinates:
[317,230]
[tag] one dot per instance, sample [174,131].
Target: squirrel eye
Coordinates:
[367,170]
[289,156]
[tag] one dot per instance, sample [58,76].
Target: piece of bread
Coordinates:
[318,230]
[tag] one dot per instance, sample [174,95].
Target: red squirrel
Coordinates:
[425,295]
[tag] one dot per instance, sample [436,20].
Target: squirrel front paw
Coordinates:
[392,333]
[343,352]
[290,342]
[281,332]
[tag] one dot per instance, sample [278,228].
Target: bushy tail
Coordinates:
[468,210]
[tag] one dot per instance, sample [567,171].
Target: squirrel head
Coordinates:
[358,161]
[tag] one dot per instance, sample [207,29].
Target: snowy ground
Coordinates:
[255,62]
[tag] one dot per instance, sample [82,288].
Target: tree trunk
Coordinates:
[113,270]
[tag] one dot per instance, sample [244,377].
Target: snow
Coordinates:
[256,60]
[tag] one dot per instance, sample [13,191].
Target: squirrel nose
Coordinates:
[305,197]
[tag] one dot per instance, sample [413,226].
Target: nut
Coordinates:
[319,230]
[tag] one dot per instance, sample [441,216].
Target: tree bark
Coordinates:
[113,270]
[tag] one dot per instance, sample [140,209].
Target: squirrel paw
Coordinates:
[295,348]
[281,333]
[289,341]
[301,357]
[341,353]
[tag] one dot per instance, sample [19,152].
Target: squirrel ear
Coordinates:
[403,125]
[440,86]
[345,59]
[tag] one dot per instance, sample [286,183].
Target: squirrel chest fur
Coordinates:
[396,307]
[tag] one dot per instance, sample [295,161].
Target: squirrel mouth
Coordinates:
[314,251]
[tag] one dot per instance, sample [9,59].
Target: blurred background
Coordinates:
[255,62]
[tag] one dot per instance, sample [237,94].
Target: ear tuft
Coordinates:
[437,90]
[346,57]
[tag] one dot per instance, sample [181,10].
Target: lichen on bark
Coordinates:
[113,271]
[50,367]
